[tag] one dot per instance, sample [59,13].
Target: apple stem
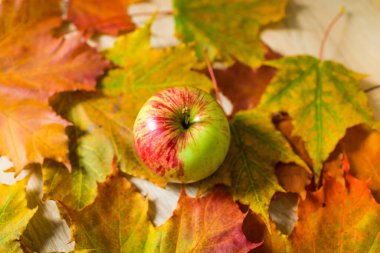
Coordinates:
[372,88]
[328,30]
[158,13]
[215,83]
[186,117]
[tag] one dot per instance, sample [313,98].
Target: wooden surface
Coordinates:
[355,42]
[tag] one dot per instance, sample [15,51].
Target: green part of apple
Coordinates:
[182,134]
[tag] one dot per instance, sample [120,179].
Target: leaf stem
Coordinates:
[328,30]
[215,83]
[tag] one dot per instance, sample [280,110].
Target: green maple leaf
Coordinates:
[14,216]
[323,98]
[227,29]
[256,147]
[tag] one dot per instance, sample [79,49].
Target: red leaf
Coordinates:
[108,17]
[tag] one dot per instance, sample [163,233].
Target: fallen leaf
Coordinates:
[342,217]
[323,99]
[14,216]
[17,15]
[249,168]
[118,222]
[209,224]
[244,85]
[225,30]
[139,77]
[34,66]
[362,146]
[92,158]
[108,17]
[31,132]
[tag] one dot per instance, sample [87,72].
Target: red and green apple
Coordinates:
[182,134]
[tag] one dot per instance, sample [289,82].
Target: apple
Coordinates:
[182,134]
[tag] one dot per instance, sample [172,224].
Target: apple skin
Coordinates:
[182,134]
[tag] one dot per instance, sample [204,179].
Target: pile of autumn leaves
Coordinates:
[67,111]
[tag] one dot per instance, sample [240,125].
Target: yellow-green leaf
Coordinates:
[323,98]
[106,116]
[227,29]
[249,168]
[116,222]
[91,163]
[144,70]
[14,216]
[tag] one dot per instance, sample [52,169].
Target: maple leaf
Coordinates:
[118,222]
[323,99]
[140,77]
[340,216]
[221,27]
[108,17]
[128,87]
[362,146]
[14,216]
[17,15]
[209,224]
[256,147]
[25,126]
[34,66]
[92,158]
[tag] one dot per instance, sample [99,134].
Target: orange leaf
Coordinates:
[34,65]
[38,65]
[362,146]
[338,218]
[30,132]
[108,17]
[17,15]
